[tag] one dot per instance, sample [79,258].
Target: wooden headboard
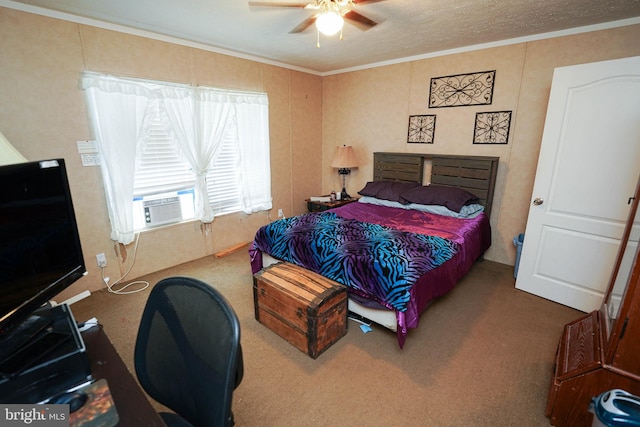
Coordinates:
[476,174]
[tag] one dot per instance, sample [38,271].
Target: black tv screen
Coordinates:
[40,252]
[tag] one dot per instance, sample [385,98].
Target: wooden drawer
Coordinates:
[578,373]
[305,308]
[581,348]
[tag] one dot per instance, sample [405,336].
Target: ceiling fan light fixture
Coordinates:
[329,22]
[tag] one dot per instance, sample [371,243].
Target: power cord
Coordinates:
[122,290]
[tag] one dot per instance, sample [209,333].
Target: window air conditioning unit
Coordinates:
[162,210]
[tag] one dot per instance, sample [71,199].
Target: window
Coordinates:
[165,146]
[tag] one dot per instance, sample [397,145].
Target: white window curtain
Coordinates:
[117,109]
[197,117]
[252,119]
[199,122]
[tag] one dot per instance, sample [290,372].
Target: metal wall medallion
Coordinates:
[492,127]
[462,90]
[421,129]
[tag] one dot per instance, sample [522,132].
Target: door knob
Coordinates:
[538,201]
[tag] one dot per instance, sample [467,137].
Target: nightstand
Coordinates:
[323,206]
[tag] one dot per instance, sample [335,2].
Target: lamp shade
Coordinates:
[344,158]
[8,153]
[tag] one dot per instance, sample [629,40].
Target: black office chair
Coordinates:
[188,355]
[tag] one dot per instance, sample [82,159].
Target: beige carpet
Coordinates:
[482,356]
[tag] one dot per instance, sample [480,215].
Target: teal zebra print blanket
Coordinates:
[374,260]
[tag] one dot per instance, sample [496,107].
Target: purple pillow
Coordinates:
[371,188]
[451,197]
[387,190]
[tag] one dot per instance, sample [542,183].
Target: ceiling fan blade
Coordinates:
[303,25]
[359,20]
[277,4]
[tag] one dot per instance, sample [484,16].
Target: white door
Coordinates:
[587,169]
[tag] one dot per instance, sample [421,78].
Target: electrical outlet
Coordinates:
[280,214]
[102,260]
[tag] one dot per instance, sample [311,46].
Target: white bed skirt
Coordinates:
[385,318]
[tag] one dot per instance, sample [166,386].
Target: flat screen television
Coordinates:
[40,252]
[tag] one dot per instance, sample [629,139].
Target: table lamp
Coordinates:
[344,160]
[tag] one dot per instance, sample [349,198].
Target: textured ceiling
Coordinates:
[406,28]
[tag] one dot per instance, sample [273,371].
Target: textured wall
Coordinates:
[369,109]
[43,114]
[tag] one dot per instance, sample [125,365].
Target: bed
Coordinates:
[403,244]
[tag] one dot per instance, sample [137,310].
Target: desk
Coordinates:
[131,403]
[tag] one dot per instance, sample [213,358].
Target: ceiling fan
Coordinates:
[330,14]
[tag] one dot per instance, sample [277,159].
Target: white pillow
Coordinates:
[382,202]
[468,211]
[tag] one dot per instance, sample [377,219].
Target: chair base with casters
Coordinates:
[188,355]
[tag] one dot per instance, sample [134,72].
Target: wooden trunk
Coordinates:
[305,308]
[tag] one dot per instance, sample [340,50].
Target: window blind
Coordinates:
[223,177]
[162,168]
